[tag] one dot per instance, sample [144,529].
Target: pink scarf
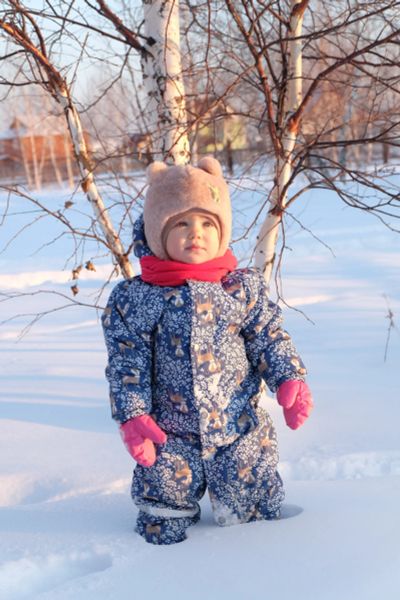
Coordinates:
[172,273]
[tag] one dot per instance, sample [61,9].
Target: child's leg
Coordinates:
[167,493]
[242,478]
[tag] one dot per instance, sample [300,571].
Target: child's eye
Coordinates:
[208,224]
[181,224]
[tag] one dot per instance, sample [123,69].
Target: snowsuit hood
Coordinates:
[140,246]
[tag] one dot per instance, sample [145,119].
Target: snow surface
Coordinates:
[66,518]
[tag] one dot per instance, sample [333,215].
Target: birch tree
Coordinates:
[285,142]
[350,46]
[162,75]
[16,25]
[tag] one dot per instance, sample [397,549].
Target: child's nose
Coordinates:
[195,231]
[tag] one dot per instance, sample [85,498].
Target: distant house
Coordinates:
[215,126]
[36,151]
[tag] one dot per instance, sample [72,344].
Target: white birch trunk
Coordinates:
[369,157]
[53,160]
[59,90]
[162,76]
[267,237]
[24,158]
[50,145]
[35,163]
[42,162]
[68,162]
[88,183]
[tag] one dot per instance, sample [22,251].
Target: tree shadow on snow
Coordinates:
[81,418]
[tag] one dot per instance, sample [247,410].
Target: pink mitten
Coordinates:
[139,435]
[295,397]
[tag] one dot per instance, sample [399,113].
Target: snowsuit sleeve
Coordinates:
[129,350]
[269,347]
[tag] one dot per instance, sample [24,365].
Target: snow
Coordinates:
[23,280]
[65,511]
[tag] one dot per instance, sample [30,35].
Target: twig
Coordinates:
[392,325]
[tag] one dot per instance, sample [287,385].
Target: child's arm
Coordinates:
[270,349]
[129,349]
[129,372]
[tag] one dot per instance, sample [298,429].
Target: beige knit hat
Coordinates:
[175,190]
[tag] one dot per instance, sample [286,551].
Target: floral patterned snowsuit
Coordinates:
[194,357]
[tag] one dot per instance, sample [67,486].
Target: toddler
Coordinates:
[190,342]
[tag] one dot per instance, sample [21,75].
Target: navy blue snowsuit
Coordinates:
[194,357]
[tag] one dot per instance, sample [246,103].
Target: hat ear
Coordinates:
[154,169]
[210,165]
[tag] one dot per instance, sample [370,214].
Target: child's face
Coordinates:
[193,239]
